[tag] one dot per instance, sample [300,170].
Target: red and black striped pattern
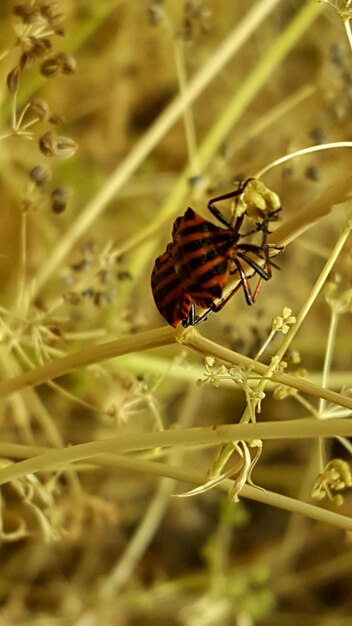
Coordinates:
[201,254]
[195,268]
[171,300]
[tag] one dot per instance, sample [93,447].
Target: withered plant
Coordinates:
[159,475]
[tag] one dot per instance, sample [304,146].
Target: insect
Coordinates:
[196,266]
[171,300]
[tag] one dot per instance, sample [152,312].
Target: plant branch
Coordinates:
[213,435]
[193,339]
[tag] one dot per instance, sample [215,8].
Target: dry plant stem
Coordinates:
[271,117]
[153,339]
[295,226]
[30,402]
[159,366]
[189,476]
[316,289]
[347,25]
[288,338]
[328,355]
[23,264]
[252,493]
[165,121]
[336,568]
[297,528]
[326,370]
[157,507]
[193,339]
[212,435]
[58,367]
[301,153]
[188,118]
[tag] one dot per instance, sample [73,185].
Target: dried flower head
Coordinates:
[340,301]
[336,476]
[258,201]
[281,392]
[196,20]
[281,323]
[213,373]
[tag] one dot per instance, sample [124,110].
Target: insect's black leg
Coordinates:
[264,227]
[263,273]
[227,196]
[191,319]
[203,316]
[244,283]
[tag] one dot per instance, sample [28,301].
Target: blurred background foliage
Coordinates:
[67,535]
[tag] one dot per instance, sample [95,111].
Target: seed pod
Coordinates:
[40,175]
[124,275]
[81,266]
[27,13]
[51,144]
[67,63]
[56,119]
[47,144]
[72,297]
[40,108]
[26,60]
[50,11]
[98,298]
[105,277]
[39,46]
[59,197]
[65,147]
[50,67]
[12,80]
[88,293]
[59,31]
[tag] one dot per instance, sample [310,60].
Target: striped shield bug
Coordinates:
[171,300]
[196,267]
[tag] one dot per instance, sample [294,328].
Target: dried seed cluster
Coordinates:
[36,24]
[95,276]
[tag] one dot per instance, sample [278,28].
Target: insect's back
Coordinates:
[201,256]
[172,301]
